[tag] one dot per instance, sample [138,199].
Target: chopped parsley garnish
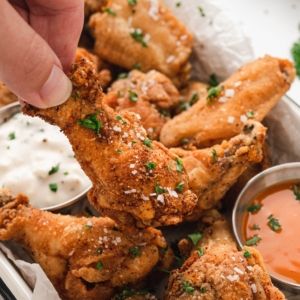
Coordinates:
[178,4]
[88,226]
[213,93]
[147,142]
[254,240]
[213,82]
[110,12]
[66,173]
[254,208]
[179,260]
[99,250]
[250,114]
[200,251]
[91,123]
[121,119]
[136,66]
[99,265]
[215,155]
[194,98]
[184,141]
[53,170]
[203,290]
[255,226]
[119,151]
[122,75]
[201,11]
[134,142]
[164,250]
[296,57]
[133,96]
[189,289]
[119,94]
[159,189]
[274,223]
[296,192]
[135,251]
[169,166]
[163,113]
[184,106]
[53,187]
[179,163]
[164,270]
[126,293]
[12,136]
[138,36]
[76,96]
[150,165]
[179,186]
[195,237]
[132,2]
[247,254]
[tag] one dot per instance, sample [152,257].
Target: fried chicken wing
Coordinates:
[6,96]
[82,257]
[249,93]
[217,270]
[147,34]
[150,95]
[133,177]
[212,171]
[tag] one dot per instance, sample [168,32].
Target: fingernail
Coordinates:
[57,89]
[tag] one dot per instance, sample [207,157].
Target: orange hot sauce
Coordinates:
[280,248]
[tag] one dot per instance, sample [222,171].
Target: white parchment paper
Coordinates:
[220,47]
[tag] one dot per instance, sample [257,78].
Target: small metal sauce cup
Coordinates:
[6,113]
[271,176]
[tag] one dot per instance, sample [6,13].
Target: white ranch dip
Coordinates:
[29,150]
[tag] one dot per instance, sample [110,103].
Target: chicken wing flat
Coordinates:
[150,95]
[82,257]
[217,270]
[133,177]
[144,33]
[249,93]
[212,171]
[6,96]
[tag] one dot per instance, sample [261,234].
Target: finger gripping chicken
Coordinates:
[82,257]
[134,179]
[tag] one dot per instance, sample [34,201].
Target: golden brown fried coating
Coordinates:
[6,96]
[160,41]
[212,171]
[249,93]
[82,257]
[150,95]
[217,270]
[114,157]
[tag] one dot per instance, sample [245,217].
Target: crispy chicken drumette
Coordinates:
[82,257]
[134,179]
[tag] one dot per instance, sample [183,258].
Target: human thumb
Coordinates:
[28,66]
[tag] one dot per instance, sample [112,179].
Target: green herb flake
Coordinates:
[150,165]
[253,241]
[8,147]
[54,170]
[121,119]
[203,290]
[274,223]
[132,2]
[138,36]
[169,166]
[188,288]
[135,251]
[91,123]
[99,250]
[179,163]
[247,254]
[164,270]
[137,66]
[12,136]
[184,141]
[184,106]
[133,96]
[66,173]
[254,208]
[134,142]
[195,237]
[178,4]
[164,250]
[214,154]
[122,75]
[158,189]
[53,187]
[296,57]
[200,251]
[194,98]
[179,260]
[213,93]
[201,11]
[179,186]
[296,192]
[76,96]
[255,227]
[250,114]
[110,12]
[147,142]
[99,265]
[88,227]
[119,151]
[213,82]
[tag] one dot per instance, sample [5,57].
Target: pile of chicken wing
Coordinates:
[160,150]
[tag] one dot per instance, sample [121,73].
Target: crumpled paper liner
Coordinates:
[220,47]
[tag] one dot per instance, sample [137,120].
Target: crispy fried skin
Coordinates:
[156,95]
[6,96]
[115,158]
[255,87]
[222,272]
[82,257]
[167,41]
[212,171]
